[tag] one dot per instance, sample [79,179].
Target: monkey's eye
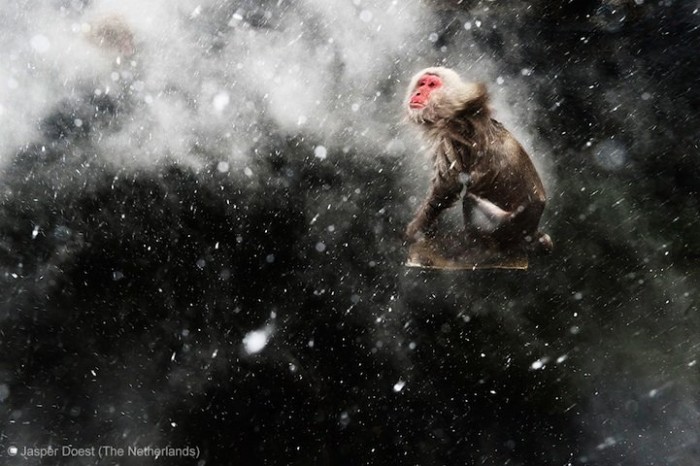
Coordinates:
[431,84]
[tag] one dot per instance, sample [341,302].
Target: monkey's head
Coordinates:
[437,94]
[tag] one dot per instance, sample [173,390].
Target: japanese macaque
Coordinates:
[503,195]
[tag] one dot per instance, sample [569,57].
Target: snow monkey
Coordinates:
[504,196]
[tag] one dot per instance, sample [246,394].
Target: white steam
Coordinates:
[206,80]
[203,72]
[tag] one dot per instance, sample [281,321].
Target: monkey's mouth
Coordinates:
[416,105]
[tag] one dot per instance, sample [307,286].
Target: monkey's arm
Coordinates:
[443,194]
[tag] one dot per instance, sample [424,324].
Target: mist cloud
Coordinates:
[207,75]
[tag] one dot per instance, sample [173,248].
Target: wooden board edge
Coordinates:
[467,267]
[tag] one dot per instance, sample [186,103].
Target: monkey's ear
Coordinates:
[473,95]
[462,97]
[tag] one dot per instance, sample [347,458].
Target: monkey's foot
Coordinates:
[451,254]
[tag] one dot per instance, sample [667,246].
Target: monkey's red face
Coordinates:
[424,87]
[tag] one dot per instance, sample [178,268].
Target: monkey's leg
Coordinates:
[483,219]
[484,216]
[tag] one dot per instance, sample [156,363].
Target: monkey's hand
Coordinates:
[414,231]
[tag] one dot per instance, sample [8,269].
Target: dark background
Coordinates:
[127,291]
